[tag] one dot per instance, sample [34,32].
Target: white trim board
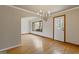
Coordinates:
[38,13]
[10,47]
[23,9]
[68,10]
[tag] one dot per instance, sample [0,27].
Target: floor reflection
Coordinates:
[32,44]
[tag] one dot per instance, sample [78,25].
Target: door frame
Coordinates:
[64,26]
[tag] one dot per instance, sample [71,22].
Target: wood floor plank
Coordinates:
[32,44]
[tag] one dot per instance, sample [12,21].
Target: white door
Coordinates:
[59,28]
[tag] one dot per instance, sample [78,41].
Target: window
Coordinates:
[37,26]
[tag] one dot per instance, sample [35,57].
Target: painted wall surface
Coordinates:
[72,25]
[47,28]
[25,28]
[10,25]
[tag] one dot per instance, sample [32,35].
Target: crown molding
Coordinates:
[25,10]
[18,8]
[67,10]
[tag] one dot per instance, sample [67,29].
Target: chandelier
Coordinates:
[44,15]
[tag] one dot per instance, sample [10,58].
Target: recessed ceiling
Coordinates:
[46,8]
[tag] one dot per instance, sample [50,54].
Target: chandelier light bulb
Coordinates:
[40,11]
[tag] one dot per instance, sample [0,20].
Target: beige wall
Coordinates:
[9,27]
[72,25]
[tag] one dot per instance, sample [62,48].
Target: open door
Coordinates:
[59,28]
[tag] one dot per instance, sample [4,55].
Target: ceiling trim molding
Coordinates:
[22,9]
[38,13]
[67,10]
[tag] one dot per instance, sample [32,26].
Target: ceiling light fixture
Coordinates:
[45,15]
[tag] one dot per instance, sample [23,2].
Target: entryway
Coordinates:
[59,28]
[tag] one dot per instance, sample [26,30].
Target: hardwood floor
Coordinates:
[32,44]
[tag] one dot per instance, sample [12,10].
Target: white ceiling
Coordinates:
[46,8]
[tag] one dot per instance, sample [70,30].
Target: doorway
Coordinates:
[59,28]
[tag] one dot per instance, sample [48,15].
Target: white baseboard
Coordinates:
[24,33]
[10,47]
